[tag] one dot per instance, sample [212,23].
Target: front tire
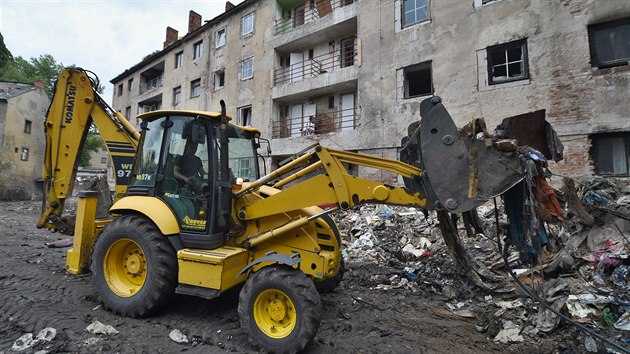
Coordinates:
[280,309]
[134,267]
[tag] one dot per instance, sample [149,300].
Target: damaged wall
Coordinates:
[579,99]
[22,155]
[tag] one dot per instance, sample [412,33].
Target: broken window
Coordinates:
[177,95]
[219,79]
[247,24]
[179,60]
[195,88]
[220,38]
[197,49]
[24,156]
[609,152]
[120,89]
[245,116]
[27,126]
[103,160]
[129,85]
[247,69]
[128,112]
[414,11]
[417,80]
[507,62]
[610,43]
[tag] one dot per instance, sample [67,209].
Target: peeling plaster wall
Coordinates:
[578,99]
[17,177]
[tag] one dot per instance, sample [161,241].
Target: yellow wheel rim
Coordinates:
[275,313]
[125,267]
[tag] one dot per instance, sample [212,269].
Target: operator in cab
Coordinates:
[189,168]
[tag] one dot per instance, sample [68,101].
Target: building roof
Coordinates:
[13,89]
[149,58]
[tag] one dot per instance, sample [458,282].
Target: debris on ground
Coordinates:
[580,271]
[177,336]
[97,327]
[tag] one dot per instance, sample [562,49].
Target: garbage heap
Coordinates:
[581,271]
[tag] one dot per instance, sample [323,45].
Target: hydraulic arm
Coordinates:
[76,104]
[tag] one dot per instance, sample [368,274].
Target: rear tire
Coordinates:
[134,267]
[280,309]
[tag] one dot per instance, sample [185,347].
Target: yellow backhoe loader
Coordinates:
[192,214]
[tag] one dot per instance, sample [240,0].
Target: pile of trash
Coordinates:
[582,272]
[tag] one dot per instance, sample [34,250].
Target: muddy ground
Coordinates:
[36,292]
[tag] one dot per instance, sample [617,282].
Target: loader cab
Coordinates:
[178,162]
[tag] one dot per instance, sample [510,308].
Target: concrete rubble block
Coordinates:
[97,327]
[177,336]
[509,334]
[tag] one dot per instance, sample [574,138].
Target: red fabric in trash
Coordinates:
[548,205]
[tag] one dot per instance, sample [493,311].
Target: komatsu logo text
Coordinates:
[72,92]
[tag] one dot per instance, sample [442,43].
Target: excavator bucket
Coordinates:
[462,169]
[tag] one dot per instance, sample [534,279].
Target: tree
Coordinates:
[5,55]
[93,143]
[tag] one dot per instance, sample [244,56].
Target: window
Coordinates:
[414,11]
[610,43]
[129,85]
[27,126]
[245,116]
[179,60]
[103,160]
[24,156]
[220,38]
[177,95]
[120,89]
[247,24]
[609,152]
[197,49]
[128,112]
[247,69]
[195,88]
[219,79]
[507,62]
[417,80]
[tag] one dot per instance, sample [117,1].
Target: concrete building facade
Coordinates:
[351,74]
[22,112]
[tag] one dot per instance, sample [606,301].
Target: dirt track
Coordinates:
[36,292]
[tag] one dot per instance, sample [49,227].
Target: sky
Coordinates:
[103,36]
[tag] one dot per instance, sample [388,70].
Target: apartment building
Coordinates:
[350,74]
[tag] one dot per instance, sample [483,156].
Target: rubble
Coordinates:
[582,272]
[97,327]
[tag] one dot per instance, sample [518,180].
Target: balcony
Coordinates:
[320,123]
[340,22]
[318,65]
[302,14]
[152,84]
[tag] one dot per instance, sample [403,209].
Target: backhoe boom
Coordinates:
[74,107]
